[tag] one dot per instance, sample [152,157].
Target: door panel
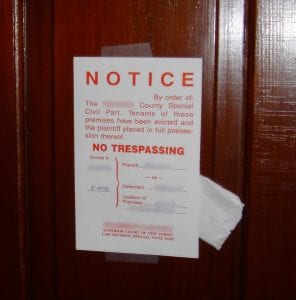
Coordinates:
[173,29]
[272,156]
[41,176]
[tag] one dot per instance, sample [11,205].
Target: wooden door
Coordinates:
[64,29]
[248,144]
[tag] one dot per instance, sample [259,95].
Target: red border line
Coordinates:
[117,182]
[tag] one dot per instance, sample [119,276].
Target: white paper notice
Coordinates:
[137,150]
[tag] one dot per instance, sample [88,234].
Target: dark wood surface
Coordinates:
[248,145]
[13,232]
[8,228]
[163,25]
[271,196]
[41,176]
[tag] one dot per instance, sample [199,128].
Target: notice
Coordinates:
[137,151]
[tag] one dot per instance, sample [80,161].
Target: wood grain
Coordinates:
[13,229]
[271,246]
[40,150]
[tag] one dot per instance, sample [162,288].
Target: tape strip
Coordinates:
[131,50]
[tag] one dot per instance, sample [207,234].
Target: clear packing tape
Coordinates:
[220,210]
